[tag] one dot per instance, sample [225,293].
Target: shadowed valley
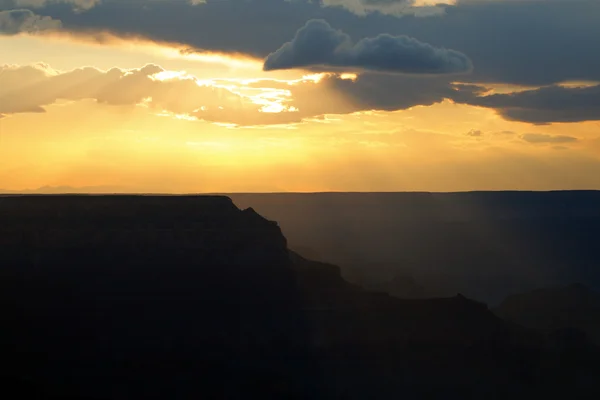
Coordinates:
[486,245]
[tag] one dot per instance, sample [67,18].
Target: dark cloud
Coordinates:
[543,138]
[521,42]
[13,22]
[369,91]
[372,91]
[543,105]
[390,93]
[317,43]
[376,91]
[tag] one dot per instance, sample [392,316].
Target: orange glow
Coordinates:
[248,130]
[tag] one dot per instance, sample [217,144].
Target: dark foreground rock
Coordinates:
[138,297]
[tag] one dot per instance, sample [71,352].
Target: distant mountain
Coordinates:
[556,309]
[187,297]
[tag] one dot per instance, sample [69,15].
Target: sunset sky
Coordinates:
[299,95]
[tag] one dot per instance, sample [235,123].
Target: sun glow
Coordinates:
[171,75]
[316,78]
[235,61]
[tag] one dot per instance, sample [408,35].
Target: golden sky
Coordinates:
[163,121]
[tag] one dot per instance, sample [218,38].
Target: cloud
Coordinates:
[318,44]
[391,7]
[14,22]
[475,133]
[562,46]
[543,138]
[368,91]
[544,105]
[538,106]
[383,92]
[374,91]
[76,4]
[32,88]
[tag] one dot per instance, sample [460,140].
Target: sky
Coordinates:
[196,96]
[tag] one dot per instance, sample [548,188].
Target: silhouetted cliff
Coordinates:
[139,297]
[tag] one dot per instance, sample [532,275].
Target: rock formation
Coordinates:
[186,297]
